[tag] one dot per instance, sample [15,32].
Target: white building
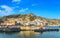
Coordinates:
[33,23]
[38,22]
[25,23]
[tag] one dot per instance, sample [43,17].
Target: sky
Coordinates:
[45,8]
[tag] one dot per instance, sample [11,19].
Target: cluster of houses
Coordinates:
[22,22]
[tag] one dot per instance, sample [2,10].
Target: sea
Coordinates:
[32,34]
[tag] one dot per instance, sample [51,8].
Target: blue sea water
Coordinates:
[32,34]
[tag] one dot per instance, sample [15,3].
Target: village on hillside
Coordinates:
[27,22]
[23,23]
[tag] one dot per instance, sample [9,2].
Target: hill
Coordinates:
[32,17]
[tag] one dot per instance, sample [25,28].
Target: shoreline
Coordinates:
[24,28]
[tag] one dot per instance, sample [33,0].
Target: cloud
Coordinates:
[7,10]
[23,10]
[17,1]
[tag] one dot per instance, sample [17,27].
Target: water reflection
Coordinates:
[28,34]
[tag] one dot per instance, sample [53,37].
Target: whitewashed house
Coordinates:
[38,22]
[25,23]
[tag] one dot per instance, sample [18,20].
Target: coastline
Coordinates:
[23,28]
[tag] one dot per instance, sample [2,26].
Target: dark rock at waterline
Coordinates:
[44,30]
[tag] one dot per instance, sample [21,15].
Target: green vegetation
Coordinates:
[32,17]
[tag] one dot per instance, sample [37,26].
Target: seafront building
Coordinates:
[35,24]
